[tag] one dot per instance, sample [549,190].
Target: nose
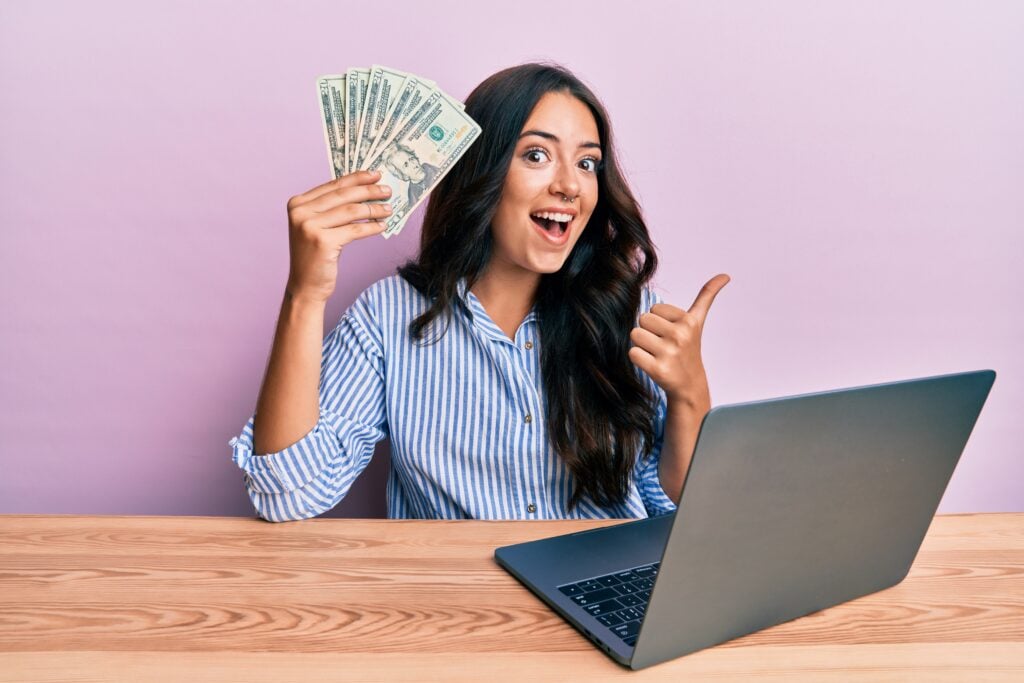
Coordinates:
[565,182]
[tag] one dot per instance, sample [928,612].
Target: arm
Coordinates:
[289,403]
[320,225]
[681,426]
[313,474]
[310,447]
[667,348]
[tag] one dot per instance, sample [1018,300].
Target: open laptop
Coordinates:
[790,505]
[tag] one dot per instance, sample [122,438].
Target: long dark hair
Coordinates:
[599,411]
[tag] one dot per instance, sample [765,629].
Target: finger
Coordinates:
[350,180]
[648,341]
[668,312]
[347,214]
[357,231]
[347,195]
[707,295]
[641,359]
[656,324]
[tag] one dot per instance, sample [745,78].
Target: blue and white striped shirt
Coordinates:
[465,417]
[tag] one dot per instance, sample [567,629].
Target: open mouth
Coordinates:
[554,224]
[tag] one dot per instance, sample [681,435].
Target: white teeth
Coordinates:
[560,217]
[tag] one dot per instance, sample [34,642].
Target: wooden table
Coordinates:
[232,599]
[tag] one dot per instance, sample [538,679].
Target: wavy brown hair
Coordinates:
[599,411]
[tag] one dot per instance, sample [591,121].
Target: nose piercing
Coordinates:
[565,198]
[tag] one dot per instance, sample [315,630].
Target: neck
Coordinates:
[507,294]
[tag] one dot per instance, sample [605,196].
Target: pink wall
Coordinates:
[856,167]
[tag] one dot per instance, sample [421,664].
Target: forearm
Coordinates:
[682,422]
[289,402]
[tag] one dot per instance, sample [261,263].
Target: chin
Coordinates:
[547,266]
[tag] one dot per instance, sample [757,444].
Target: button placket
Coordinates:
[497,350]
[528,397]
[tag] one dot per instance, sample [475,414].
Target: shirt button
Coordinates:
[528,345]
[528,419]
[531,508]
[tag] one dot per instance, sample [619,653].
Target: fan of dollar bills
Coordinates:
[382,119]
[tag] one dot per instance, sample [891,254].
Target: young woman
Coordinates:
[520,365]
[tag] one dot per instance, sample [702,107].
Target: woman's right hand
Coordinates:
[322,221]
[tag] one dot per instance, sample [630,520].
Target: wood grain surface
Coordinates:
[103,598]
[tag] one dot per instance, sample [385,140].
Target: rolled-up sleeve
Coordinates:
[655,500]
[313,475]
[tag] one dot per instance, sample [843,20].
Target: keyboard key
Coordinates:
[595,596]
[570,590]
[630,613]
[609,580]
[627,576]
[599,608]
[627,629]
[645,572]
[626,587]
[631,641]
[610,619]
[630,600]
[642,609]
[589,585]
[644,584]
[644,595]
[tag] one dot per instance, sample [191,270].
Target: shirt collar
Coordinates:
[480,317]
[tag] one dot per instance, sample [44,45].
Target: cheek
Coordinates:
[589,212]
[518,195]
[525,185]
[506,222]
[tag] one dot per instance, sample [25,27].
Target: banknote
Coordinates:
[384,84]
[398,123]
[331,90]
[414,91]
[419,155]
[356,82]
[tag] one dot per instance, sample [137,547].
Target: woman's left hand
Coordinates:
[667,347]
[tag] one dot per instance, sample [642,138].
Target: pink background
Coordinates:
[856,167]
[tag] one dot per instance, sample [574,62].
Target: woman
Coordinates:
[499,361]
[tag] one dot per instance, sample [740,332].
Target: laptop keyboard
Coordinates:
[618,600]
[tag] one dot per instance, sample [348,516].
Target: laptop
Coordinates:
[790,505]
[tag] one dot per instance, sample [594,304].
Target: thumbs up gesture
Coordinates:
[667,347]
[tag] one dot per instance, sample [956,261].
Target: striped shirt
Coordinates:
[465,418]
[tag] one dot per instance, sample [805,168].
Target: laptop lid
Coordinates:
[795,504]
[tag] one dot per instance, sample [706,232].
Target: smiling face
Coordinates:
[556,156]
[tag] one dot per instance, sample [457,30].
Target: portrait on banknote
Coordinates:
[403,162]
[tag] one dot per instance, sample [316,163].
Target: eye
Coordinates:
[533,155]
[591,163]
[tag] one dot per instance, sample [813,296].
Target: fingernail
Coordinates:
[387,207]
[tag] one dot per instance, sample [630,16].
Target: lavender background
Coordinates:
[856,167]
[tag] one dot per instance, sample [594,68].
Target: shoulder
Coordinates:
[387,290]
[387,299]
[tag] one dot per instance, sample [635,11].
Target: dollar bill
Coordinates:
[408,100]
[356,81]
[400,124]
[331,91]
[384,84]
[420,153]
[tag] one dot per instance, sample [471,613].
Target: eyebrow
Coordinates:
[550,136]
